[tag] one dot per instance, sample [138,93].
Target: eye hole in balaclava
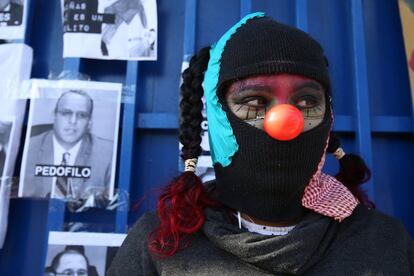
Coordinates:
[250,98]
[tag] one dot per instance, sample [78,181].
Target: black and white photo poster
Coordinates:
[110,29]
[15,67]
[7,126]
[81,253]
[11,120]
[12,19]
[71,140]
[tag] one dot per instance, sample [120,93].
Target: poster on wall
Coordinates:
[205,168]
[407,22]
[71,253]
[71,140]
[12,19]
[110,29]
[6,131]
[14,68]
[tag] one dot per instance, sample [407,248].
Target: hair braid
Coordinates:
[353,172]
[181,205]
[191,105]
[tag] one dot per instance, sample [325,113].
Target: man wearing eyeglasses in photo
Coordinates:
[68,161]
[70,262]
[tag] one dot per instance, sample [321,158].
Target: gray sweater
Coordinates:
[366,243]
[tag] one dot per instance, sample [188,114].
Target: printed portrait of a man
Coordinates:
[65,158]
[81,253]
[11,13]
[71,261]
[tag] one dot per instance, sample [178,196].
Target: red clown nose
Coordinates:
[283,122]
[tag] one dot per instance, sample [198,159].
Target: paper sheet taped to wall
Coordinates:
[13,15]
[15,67]
[110,29]
[71,140]
[407,22]
[81,253]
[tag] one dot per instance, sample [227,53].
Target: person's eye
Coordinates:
[306,102]
[67,113]
[254,101]
[83,115]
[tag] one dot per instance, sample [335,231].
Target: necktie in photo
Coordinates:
[62,181]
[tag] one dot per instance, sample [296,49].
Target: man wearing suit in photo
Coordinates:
[11,13]
[68,161]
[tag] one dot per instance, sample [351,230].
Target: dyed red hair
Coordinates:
[180,209]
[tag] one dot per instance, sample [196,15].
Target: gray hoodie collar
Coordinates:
[293,253]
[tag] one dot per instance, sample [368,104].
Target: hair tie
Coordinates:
[339,153]
[190,165]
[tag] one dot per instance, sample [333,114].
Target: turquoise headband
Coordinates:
[223,144]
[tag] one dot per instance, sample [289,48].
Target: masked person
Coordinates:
[270,211]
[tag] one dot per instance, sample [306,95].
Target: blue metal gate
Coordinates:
[373,112]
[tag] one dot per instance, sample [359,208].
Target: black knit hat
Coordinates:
[264,46]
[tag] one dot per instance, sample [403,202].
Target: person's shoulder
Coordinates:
[145,224]
[138,234]
[98,150]
[42,134]
[377,217]
[101,143]
[377,225]
[374,240]
[41,138]
[133,257]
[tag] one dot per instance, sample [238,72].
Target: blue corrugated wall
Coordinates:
[372,103]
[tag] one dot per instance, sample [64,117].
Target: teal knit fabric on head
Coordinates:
[223,144]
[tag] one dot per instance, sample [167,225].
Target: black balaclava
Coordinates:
[266,177]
